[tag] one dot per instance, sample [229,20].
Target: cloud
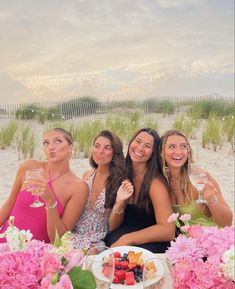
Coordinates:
[12,91]
[64,48]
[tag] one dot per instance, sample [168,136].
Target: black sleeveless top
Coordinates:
[136,219]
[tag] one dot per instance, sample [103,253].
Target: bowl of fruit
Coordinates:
[129,265]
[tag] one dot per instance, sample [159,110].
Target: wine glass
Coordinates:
[34,175]
[197,174]
[100,261]
[156,273]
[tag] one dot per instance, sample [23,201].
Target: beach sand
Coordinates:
[220,163]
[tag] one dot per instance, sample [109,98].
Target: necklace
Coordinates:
[60,175]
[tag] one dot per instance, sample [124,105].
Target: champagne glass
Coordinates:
[156,273]
[100,261]
[34,175]
[197,174]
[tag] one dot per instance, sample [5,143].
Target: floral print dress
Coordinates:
[92,226]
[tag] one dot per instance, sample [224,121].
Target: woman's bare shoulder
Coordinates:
[158,182]
[76,182]
[86,174]
[32,164]
[158,187]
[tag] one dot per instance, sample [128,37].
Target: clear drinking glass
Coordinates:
[156,274]
[100,261]
[34,175]
[197,174]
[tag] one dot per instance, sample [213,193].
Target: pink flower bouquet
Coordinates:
[26,263]
[202,257]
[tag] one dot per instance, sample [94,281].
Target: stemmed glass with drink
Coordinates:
[156,273]
[100,261]
[31,177]
[197,175]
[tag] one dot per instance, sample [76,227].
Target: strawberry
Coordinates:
[117,255]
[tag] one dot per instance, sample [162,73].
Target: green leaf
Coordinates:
[54,279]
[57,242]
[81,279]
[64,261]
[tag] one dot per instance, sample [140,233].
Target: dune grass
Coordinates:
[7,134]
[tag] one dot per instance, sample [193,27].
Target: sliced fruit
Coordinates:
[134,257]
[130,278]
[151,265]
[120,274]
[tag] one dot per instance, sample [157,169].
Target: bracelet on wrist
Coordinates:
[53,206]
[117,212]
[212,202]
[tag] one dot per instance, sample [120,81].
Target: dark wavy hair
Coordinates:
[152,168]
[117,167]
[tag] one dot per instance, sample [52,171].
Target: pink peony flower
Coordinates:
[46,281]
[19,270]
[75,258]
[197,256]
[50,263]
[184,248]
[195,231]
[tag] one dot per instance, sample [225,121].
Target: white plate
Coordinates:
[145,255]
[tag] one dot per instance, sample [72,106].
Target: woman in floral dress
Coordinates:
[107,174]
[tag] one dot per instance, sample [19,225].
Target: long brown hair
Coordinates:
[152,168]
[117,167]
[185,184]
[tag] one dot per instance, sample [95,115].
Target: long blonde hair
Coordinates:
[185,184]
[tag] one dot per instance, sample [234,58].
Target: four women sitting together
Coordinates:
[120,201]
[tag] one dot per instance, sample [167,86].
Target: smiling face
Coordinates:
[102,151]
[56,146]
[141,148]
[176,151]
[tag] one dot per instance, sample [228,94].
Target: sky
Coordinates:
[55,50]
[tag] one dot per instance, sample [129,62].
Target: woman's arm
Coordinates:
[162,231]
[72,211]
[117,215]
[5,210]
[218,208]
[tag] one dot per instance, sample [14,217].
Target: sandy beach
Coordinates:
[220,163]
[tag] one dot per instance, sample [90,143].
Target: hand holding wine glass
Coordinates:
[198,177]
[32,176]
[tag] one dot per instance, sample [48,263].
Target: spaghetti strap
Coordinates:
[52,180]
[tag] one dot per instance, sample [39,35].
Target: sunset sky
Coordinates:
[52,50]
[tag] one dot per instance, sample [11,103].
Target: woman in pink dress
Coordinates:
[62,193]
